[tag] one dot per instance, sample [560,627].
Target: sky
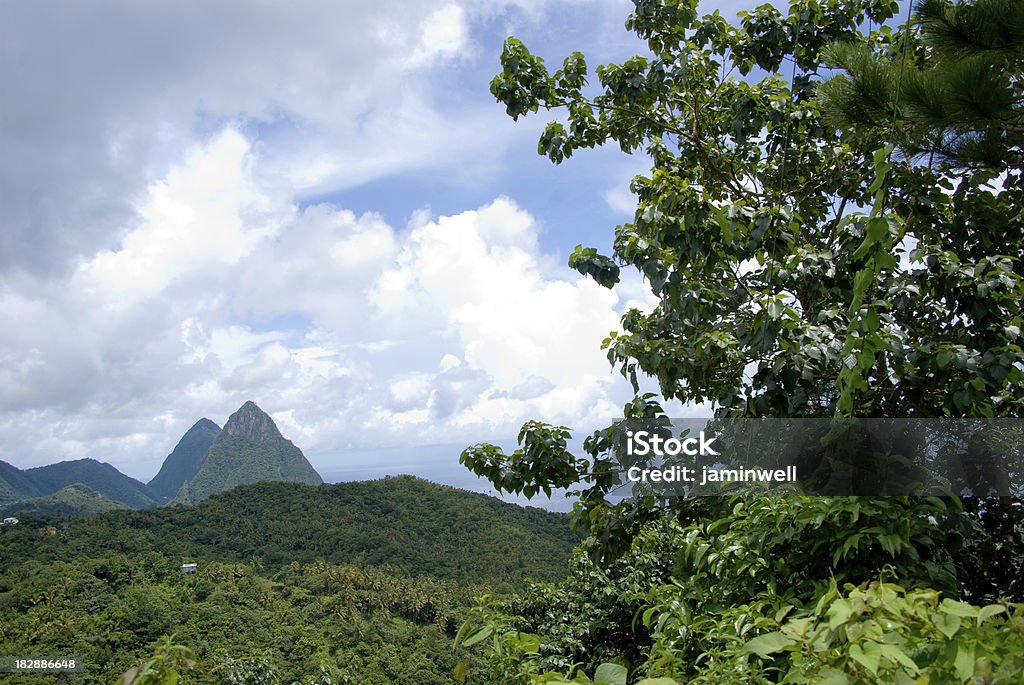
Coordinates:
[314,205]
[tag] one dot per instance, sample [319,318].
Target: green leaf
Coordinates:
[478,636]
[461,670]
[867,656]
[964,662]
[769,643]
[990,611]
[463,630]
[947,624]
[956,608]
[897,655]
[525,642]
[875,230]
[839,613]
[610,674]
[798,627]
[833,676]
[861,282]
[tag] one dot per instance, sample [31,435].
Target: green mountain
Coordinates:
[7,493]
[20,488]
[249,449]
[100,476]
[182,464]
[14,484]
[74,500]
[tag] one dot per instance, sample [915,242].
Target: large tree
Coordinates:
[757,219]
[800,270]
[813,255]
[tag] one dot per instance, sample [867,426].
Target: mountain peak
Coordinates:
[252,422]
[249,449]
[182,464]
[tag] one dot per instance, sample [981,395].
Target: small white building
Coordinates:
[10,521]
[188,568]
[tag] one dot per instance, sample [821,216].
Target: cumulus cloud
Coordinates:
[166,253]
[444,35]
[98,99]
[513,321]
[205,214]
[454,328]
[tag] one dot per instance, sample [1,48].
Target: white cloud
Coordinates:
[206,213]
[618,195]
[512,321]
[100,100]
[160,259]
[443,35]
[454,329]
[619,199]
[409,391]
[272,365]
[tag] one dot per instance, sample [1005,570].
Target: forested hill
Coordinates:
[18,486]
[73,500]
[403,523]
[362,582]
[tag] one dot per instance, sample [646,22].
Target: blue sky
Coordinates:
[316,206]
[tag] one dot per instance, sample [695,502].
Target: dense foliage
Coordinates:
[367,580]
[17,485]
[403,523]
[74,500]
[14,483]
[359,625]
[802,269]
[731,590]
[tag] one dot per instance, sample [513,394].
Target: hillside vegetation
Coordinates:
[368,580]
[74,500]
[405,523]
[18,487]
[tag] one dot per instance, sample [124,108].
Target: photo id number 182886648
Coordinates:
[40,664]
